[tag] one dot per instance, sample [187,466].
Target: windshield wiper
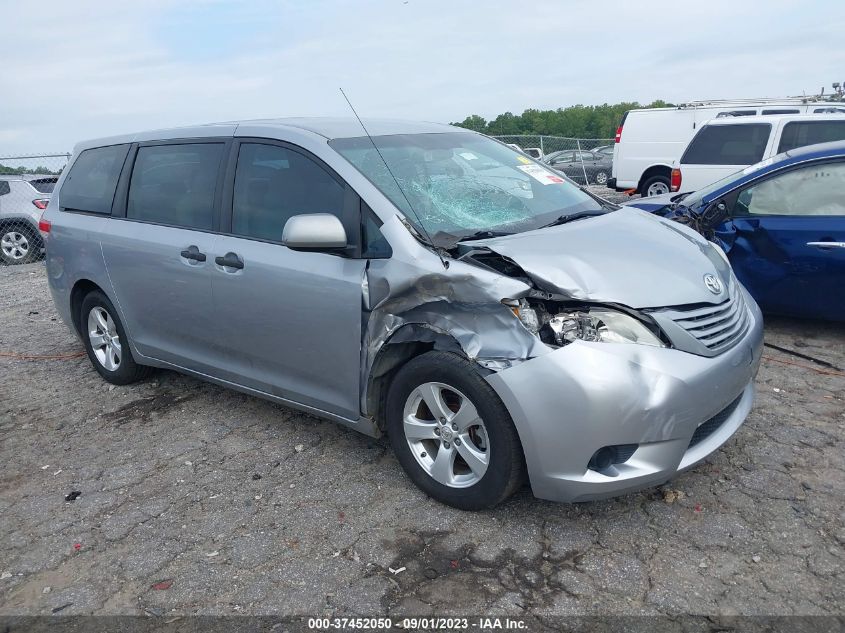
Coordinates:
[483,235]
[573,216]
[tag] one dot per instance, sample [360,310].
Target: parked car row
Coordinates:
[650,141]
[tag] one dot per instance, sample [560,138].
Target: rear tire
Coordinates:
[655,186]
[470,457]
[19,244]
[106,342]
[600,178]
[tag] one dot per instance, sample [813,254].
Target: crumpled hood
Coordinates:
[626,256]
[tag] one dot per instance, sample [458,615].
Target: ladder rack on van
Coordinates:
[761,101]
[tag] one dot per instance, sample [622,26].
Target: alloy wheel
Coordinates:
[14,245]
[446,435]
[104,339]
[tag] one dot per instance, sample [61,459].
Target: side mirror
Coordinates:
[714,214]
[314,231]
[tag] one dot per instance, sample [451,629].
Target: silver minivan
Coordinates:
[418,280]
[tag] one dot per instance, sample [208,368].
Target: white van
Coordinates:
[724,146]
[649,141]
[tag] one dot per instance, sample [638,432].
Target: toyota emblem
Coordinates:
[713,284]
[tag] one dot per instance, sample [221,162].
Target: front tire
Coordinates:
[452,434]
[106,342]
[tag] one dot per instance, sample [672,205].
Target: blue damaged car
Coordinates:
[782,224]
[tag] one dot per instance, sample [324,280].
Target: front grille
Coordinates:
[717,327]
[706,429]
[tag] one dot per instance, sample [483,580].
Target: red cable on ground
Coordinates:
[16,356]
[802,365]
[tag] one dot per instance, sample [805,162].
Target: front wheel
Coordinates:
[452,434]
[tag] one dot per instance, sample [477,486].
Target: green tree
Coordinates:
[474,122]
[577,121]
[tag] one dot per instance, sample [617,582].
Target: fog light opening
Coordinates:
[604,459]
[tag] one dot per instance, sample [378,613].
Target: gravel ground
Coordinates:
[195,499]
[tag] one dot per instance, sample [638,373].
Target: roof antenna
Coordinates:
[395,180]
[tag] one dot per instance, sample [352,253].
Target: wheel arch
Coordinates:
[654,170]
[409,341]
[81,289]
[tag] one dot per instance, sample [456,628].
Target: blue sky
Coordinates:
[75,70]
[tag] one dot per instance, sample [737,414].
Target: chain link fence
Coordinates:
[585,160]
[26,183]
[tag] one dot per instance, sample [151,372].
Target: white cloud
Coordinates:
[86,69]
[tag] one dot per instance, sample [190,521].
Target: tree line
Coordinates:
[578,121]
[19,171]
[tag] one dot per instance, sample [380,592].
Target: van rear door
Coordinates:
[159,250]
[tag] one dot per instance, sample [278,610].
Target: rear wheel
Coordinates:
[601,178]
[452,434]
[106,343]
[655,186]
[19,244]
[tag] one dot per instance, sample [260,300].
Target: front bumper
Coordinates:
[568,404]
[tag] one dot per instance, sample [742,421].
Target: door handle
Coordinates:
[193,253]
[230,260]
[827,244]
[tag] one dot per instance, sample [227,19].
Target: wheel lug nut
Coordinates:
[445,444]
[442,420]
[454,426]
[437,430]
[457,441]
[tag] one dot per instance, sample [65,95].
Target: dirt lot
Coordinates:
[195,499]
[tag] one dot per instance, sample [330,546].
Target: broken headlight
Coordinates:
[601,325]
[594,324]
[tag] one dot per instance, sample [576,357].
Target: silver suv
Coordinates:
[22,201]
[426,282]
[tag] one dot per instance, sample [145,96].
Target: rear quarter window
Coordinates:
[92,180]
[44,185]
[801,133]
[741,144]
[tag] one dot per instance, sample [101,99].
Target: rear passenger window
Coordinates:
[43,185]
[801,133]
[5,188]
[174,184]
[728,145]
[274,183]
[92,180]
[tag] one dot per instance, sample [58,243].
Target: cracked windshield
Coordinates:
[460,185]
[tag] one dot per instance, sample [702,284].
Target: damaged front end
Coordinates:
[408,308]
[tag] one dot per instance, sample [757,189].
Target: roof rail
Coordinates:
[763,100]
